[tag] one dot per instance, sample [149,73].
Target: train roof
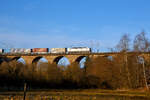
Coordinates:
[79,47]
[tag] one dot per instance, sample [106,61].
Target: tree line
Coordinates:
[123,71]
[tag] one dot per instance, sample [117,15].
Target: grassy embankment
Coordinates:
[85,92]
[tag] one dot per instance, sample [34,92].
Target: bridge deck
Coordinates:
[48,54]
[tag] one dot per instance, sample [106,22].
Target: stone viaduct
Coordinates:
[54,58]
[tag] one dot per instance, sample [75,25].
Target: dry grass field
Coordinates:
[92,94]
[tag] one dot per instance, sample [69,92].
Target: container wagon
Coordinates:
[58,50]
[27,51]
[79,50]
[20,50]
[6,51]
[1,50]
[40,50]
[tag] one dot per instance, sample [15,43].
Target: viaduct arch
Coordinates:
[54,58]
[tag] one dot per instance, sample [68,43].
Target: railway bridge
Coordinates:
[54,58]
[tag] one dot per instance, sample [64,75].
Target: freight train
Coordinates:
[46,50]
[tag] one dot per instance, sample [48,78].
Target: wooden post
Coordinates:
[25,88]
[145,75]
[127,69]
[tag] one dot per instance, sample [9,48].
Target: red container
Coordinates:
[40,50]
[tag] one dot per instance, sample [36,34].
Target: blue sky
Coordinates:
[66,23]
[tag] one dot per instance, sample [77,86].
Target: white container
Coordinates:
[20,50]
[1,50]
[58,50]
[79,50]
[27,51]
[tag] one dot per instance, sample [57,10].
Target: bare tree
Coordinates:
[124,43]
[141,43]
[123,46]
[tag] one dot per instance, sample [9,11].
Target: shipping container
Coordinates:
[1,50]
[6,50]
[27,51]
[58,50]
[20,50]
[79,50]
[40,50]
